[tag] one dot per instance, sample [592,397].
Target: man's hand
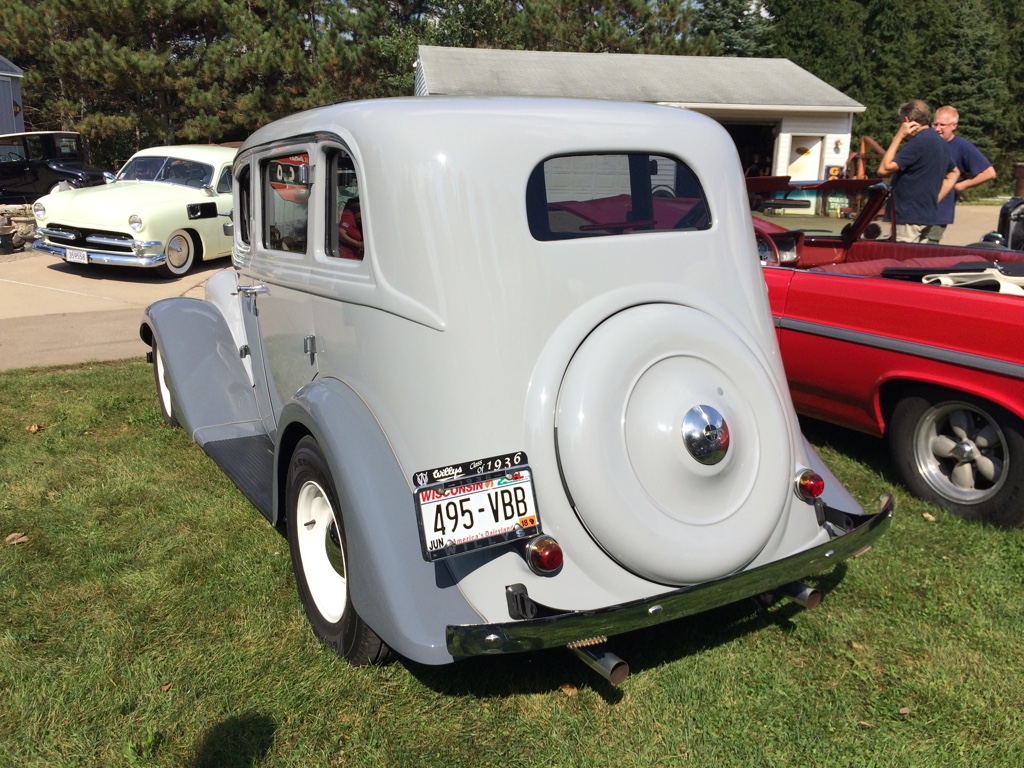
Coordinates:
[907,129]
[911,128]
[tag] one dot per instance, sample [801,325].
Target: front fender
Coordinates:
[406,600]
[199,350]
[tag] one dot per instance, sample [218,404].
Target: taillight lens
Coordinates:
[809,485]
[544,555]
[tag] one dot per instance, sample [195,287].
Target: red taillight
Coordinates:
[544,555]
[809,485]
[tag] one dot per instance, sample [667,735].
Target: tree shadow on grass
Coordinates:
[550,670]
[241,741]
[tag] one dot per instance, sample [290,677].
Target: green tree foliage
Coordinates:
[383,36]
[969,54]
[735,27]
[823,38]
[134,73]
[1008,24]
[112,69]
[975,81]
[131,73]
[474,24]
[606,26]
[270,58]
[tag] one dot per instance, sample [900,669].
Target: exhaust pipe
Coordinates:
[806,596]
[604,662]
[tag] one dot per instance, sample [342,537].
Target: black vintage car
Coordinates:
[34,164]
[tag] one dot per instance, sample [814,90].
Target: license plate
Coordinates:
[76,256]
[483,503]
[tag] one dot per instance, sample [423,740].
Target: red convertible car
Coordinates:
[919,344]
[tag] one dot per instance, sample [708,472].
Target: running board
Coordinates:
[249,462]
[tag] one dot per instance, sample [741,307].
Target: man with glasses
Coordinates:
[923,173]
[974,168]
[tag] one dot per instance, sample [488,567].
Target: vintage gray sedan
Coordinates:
[487,422]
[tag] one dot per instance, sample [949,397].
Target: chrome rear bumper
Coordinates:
[567,629]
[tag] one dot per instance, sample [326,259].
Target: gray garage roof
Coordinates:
[691,81]
[8,68]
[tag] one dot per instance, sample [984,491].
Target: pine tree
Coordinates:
[735,27]
[823,38]
[605,26]
[976,79]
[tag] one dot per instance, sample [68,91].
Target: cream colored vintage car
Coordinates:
[166,208]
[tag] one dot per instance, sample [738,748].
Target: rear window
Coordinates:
[596,195]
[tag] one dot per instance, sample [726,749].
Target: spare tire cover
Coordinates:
[673,444]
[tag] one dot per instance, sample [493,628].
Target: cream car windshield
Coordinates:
[170,170]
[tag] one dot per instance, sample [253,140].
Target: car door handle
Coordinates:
[252,290]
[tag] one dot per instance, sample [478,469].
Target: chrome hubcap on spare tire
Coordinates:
[705,434]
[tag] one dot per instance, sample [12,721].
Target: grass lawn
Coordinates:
[150,619]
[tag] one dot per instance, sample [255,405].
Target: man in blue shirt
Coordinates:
[923,173]
[974,167]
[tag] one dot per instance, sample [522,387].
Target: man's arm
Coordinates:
[987,175]
[949,182]
[889,165]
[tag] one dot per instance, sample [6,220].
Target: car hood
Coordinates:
[113,203]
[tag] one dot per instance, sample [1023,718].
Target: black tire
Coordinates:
[164,393]
[316,538]
[960,453]
[180,252]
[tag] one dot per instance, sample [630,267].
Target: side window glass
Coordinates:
[224,183]
[344,208]
[243,209]
[11,152]
[286,202]
[35,148]
[68,147]
[613,194]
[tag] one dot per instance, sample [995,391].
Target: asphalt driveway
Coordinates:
[52,313]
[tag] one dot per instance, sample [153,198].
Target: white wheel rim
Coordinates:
[320,552]
[161,381]
[178,252]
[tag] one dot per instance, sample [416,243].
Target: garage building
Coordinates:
[11,118]
[779,114]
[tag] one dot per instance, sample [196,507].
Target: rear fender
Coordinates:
[204,370]
[406,600]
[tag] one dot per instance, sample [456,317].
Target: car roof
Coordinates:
[214,154]
[39,133]
[471,126]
